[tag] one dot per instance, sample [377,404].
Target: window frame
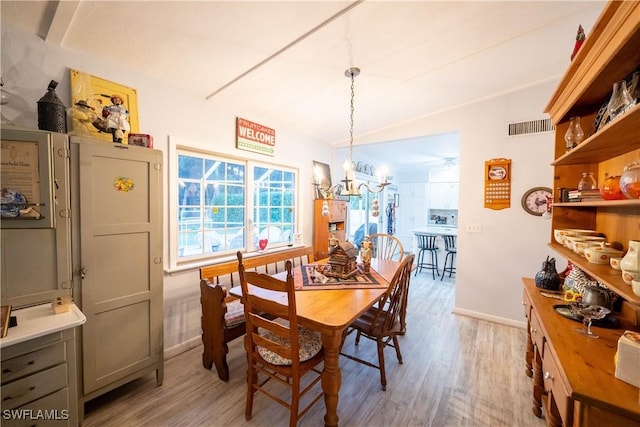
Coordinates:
[177,263]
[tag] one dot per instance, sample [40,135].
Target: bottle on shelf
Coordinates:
[587,182]
[574,134]
[620,100]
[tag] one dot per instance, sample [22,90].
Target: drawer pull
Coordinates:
[29,390]
[548,376]
[533,330]
[25,366]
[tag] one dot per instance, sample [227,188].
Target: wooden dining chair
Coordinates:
[385,321]
[386,246]
[277,347]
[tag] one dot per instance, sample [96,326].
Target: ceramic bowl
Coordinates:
[575,232]
[635,285]
[629,276]
[558,235]
[601,255]
[579,244]
[614,262]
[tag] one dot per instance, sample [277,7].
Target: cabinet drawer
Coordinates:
[51,410]
[19,392]
[526,305]
[536,332]
[555,388]
[33,362]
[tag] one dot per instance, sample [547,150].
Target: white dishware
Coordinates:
[601,254]
[635,286]
[629,276]
[615,262]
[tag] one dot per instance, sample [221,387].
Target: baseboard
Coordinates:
[182,347]
[489,318]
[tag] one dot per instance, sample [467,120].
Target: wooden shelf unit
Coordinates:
[574,381]
[323,226]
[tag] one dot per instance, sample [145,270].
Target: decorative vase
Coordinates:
[547,277]
[587,182]
[630,263]
[574,134]
[610,188]
[630,181]
[620,100]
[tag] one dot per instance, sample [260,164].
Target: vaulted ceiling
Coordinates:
[416,57]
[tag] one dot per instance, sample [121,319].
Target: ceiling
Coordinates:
[416,58]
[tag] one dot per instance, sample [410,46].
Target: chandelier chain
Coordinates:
[351,121]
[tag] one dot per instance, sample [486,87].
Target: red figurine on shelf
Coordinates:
[579,40]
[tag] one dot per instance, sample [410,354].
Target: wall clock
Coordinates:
[534,200]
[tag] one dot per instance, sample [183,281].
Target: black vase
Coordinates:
[548,277]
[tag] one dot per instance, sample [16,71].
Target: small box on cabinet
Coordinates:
[141,140]
[628,358]
[61,304]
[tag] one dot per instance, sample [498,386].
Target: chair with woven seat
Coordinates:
[386,320]
[427,244]
[386,246]
[450,249]
[277,347]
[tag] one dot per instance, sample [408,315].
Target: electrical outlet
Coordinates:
[474,228]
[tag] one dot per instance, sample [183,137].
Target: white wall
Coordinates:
[491,263]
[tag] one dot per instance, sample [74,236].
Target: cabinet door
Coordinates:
[443,195]
[120,251]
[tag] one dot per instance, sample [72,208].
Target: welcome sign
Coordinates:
[253,137]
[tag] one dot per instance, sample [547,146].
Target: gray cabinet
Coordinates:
[116,208]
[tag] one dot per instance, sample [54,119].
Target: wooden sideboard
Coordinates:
[573,376]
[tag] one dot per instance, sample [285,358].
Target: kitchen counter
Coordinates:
[40,320]
[439,229]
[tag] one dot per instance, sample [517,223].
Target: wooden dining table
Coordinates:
[331,311]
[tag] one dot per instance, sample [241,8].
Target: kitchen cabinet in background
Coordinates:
[443,195]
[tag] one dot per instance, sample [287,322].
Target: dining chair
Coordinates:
[386,246]
[277,347]
[427,244]
[449,259]
[385,321]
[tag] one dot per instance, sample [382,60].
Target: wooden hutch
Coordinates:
[574,381]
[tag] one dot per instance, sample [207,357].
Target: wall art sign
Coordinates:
[102,109]
[254,137]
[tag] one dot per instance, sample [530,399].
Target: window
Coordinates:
[216,211]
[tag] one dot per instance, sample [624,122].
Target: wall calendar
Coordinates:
[497,184]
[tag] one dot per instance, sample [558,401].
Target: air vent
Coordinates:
[532,126]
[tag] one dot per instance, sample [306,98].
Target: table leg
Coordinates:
[331,376]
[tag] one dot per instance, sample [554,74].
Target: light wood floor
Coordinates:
[457,371]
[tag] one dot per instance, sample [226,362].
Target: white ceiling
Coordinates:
[416,57]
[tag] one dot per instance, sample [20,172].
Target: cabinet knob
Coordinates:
[548,376]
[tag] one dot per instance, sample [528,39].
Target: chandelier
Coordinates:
[348,186]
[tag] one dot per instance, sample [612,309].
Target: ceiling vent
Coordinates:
[532,126]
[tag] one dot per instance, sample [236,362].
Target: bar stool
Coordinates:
[450,248]
[427,243]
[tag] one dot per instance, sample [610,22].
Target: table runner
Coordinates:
[361,280]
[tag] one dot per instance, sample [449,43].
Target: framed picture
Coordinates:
[396,200]
[102,109]
[322,177]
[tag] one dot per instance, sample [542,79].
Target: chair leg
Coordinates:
[383,376]
[444,268]
[252,379]
[295,402]
[396,344]
[434,264]
[419,261]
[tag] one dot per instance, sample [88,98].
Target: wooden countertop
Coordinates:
[587,363]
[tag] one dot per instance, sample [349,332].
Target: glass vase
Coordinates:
[574,134]
[634,87]
[587,182]
[630,181]
[620,100]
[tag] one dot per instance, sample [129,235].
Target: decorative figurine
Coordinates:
[365,254]
[116,118]
[82,116]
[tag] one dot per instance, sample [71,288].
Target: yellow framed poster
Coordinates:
[102,109]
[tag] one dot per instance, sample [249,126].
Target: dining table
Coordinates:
[330,312]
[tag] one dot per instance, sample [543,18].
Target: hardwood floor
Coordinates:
[457,371]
